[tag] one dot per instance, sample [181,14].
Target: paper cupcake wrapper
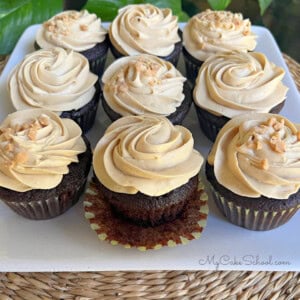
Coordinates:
[115,230]
[97,65]
[192,66]
[258,220]
[47,208]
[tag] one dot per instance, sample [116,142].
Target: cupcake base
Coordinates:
[252,213]
[172,58]
[47,204]
[176,117]
[110,227]
[192,66]
[212,124]
[85,116]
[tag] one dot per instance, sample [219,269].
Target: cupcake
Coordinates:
[44,163]
[147,168]
[254,172]
[210,32]
[144,28]
[78,31]
[58,80]
[234,83]
[145,84]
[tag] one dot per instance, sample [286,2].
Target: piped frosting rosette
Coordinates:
[210,32]
[144,28]
[72,30]
[143,84]
[233,83]
[258,155]
[36,147]
[146,154]
[53,79]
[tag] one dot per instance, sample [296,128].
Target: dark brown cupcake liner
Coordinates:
[110,227]
[258,220]
[46,204]
[172,58]
[85,116]
[212,124]
[176,117]
[192,66]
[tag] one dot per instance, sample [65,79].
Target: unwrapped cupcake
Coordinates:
[44,163]
[254,170]
[146,178]
[58,80]
[210,32]
[77,31]
[145,84]
[144,28]
[234,83]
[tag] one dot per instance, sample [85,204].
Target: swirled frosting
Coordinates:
[135,85]
[144,28]
[258,155]
[78,31]
[210,32]
[232,83]
[54,79]
[146,154]
[36,147]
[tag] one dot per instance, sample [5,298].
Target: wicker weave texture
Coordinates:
[183,285]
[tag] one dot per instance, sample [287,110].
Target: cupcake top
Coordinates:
[36,147]
[210,32]
[144,28]
[55,79]
[146,154]
[232,83]
[78,31]
[258,155]
[135,85]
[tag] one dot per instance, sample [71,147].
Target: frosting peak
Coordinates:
[210,32]
[146,154]
[72,30]
[144,28]
[135,85]
[258,155]
[53,79]
[36,147]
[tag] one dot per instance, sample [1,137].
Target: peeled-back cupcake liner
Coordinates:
[48,208]
[209,123]
[115,230]
[192,66]
[257,220]
[85,116]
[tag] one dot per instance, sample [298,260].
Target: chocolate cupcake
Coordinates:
[145,29]
[253,169]
[210,32]
[234,83]
[145,84]
[78,31]
[44,163]
[146,168]
[58,80]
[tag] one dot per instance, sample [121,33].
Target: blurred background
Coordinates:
[282,18]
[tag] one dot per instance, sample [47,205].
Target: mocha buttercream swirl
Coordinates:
[258,155]
[135,85]
[53,79]
[78,31]
[233,83]
[210,32]
[36,147]
[145,154]
[144,28]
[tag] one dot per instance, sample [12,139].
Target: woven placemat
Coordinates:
[183,285]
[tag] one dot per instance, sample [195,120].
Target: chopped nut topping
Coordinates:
[21,157]
[258,145]
[9,147]
[44,121]
[123,88]
[84,27]
[265,164]
[271,121]
[279,125]
[280,147]
[32,134]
